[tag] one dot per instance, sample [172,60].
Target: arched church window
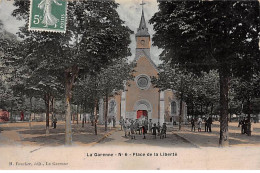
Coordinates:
[112,106]
[173,107]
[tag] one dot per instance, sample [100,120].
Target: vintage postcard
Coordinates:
[129,85]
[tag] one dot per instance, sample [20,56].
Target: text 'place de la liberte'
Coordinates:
[138,154]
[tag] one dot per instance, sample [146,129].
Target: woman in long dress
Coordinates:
[199,124]
[48,18]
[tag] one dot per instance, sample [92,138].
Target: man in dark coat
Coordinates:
[144,131]
[192,124]
[209,123]
[206,124]
[243,128]
[239,123]
[54,122]
[150,125]
[146,123]
[114,121]
[246,126]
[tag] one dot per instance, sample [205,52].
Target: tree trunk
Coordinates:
[83,111]
[229,111]
[82,121]
[47,106]
[206,109]
[242,107]
[68,134]
[30,125]
[180,114]
[192,111]
[80,111]
[85,116]
[196,113]
[95,116]
[11,113]
[70,76]
[224,136]
[249,118]
[34,118]
[52,109]
[77,113]
[106,111]
[201,110]
[85,119]
[211,109]
[92,116]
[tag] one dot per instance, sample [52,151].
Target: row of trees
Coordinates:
[87,57]
[201,92]
[200,36]
[210,57]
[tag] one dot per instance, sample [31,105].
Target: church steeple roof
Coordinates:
[142,30]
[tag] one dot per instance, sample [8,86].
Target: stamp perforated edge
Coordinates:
[47,30]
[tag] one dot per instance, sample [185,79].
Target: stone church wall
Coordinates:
[135,94]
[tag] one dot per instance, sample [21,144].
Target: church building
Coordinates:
[140,98]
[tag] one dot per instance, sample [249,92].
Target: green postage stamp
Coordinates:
[48,15]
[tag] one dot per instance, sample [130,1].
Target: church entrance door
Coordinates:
[141,113]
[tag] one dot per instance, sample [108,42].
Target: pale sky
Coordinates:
[129,10]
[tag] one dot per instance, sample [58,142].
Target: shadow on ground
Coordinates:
[59,139]
[37,134]
[211,139]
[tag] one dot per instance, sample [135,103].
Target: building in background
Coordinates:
[141,99]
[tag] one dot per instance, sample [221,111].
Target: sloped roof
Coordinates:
[145,53]
[142,30]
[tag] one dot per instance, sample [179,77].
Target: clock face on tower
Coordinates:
[143,42]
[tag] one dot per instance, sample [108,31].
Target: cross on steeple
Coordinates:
[142,30]
[142,4]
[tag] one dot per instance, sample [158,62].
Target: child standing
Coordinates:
[154,128]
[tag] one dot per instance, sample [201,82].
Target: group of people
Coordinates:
[198,122]
[134,127]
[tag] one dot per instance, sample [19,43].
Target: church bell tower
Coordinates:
[143,40]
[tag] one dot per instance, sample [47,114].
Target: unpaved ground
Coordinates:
[206,139]
[118,139]
[22,134]
[25,148]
